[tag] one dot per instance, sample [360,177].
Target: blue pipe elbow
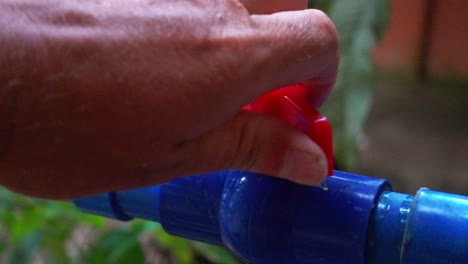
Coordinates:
[283,222]
[261,219]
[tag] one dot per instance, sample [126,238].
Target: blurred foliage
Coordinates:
[57,232]
[360,24]
[32,229]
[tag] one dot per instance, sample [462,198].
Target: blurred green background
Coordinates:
[37,231]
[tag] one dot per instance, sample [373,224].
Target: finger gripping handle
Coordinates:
[290,104]
[258,212]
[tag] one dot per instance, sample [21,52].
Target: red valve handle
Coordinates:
[290,105]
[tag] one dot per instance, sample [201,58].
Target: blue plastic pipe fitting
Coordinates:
[354,219]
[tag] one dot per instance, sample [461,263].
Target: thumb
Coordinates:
[258,143]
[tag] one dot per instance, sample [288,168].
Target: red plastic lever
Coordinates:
[290,105]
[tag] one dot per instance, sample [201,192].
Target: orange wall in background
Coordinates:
[449,43]
[446,40]
[399,48]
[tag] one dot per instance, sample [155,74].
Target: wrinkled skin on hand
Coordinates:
[108,95]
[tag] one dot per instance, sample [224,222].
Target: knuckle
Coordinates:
[321,19]
[324,29]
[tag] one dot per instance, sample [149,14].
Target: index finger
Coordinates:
[303,48]
[319,86]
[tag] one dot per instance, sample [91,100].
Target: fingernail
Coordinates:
[304,167]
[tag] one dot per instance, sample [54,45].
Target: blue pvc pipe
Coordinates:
[262,219]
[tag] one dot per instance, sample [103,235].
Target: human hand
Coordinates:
[109,95]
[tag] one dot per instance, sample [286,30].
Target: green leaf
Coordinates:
[350,101]
[27,246]
[179,247]
[323,5]
[117,246]
[214,254]
[381,17]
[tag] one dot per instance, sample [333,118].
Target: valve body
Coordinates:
[355,219]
